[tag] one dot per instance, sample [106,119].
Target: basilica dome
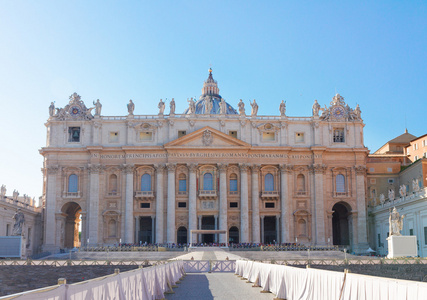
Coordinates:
[210,97]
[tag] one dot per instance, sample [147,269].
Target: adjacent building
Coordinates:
[154,178]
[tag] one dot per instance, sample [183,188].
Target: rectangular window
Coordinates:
[339,135]
[269,204]
[268,136]
[299,137]
[411,231]
[415,157]
[145,205]
[233,134]
[390,180]
[182,204]
[425,235]
[233,204]
[181,133]
[389,170]
[415,146]
[145,136]
[371,170]
[424,143]
[233,185]
[425,155]
[73,134]
[379,240]
[113,137]
[7,229]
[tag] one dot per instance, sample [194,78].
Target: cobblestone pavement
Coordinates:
[218,286]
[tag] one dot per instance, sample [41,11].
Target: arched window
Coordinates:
[182,182]
[113,183]
[233,182]
[340,183]
[207,182]
[146,182]
[73,183]
[300,183]
[269,182]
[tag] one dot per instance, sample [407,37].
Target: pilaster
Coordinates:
[50,221]
[255,204]
[171,236]
[159,204]
[192,205]
[222,200]
[244,210]
[285,204]
[128,170]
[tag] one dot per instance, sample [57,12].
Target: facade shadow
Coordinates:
[194,286]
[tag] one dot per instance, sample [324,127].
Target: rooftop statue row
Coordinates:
[208,105]
[15,196]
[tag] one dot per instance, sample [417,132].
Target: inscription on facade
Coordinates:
[205,155]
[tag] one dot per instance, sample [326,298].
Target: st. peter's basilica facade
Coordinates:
[154,178]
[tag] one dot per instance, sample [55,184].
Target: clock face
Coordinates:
[74,110]
[338,112]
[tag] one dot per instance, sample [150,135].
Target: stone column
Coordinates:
[171,236]
[244,210]
[192,205]
[200,227]
[216,228]
[136,237]
[362,239]
[319,206]
[84,229]
[277,229]
[153,229]
[285,204]
[262,229]
[222,201]
[255,204]
[50,222]
[159,204]
[94,171]
[128,219]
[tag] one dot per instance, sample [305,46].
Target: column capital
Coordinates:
[222,167]
[243,168]
[160,167]
[52,170]
[171,167]
[360,170]
[317,168]
[95,168]
[128,169]
[284,168]
[255,168]
[192,167]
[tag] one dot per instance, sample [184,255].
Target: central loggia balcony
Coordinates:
[270,195]
[144,194]
[72,195]
[207,194]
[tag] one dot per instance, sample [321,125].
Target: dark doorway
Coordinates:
[146,230]
[340,226]
[181,236]
[233,235]
[72,220]
[208,222]
[270,234]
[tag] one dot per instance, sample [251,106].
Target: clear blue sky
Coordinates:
[372,53]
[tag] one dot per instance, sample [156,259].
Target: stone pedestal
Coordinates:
[402,246]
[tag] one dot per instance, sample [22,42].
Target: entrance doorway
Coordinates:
[233,235]
[208,222]
[340,224]
[71,237]
[181,236]
[270,234]
[146,230]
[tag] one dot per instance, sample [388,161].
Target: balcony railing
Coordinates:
[71,195]
[207,194]
[144,194]
[270,195]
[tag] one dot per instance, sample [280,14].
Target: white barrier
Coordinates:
[296,283]
[144,284]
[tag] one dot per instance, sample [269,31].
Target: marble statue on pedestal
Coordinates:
[161,107]
[391,194]
[52,109]
[131,107]
[415,185]
[191,106]
[316,108]
[222,107]
[254,110]
[172,107]
[19,222]
[241,106]
[3,191]
[15,195]
[402,190]
[282,108]
[98,107]
[382,198]
[395,222]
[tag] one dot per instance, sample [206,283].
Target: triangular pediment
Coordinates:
[207,137]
